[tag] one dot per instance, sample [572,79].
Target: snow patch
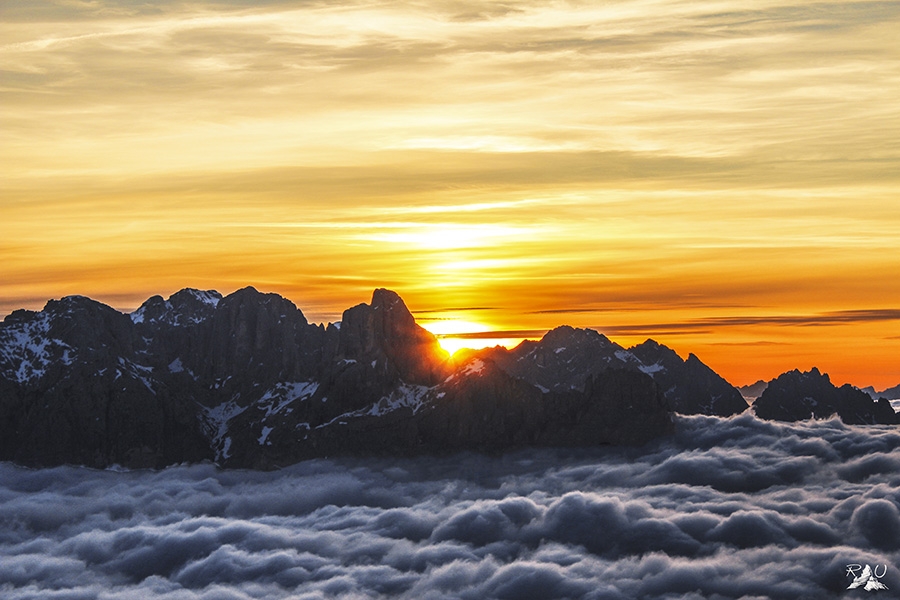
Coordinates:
[26,349]
[264,435]
[67,358]
[283,394]
[140,372]
[475,367]
[651,369]
[215,423]
[226,449]
[625,356]
[404,396]
[206,297]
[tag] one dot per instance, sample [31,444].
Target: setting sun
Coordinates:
[448,329]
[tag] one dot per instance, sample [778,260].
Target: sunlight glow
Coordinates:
[451,331]
[450,326]
[450,236]
[454,344]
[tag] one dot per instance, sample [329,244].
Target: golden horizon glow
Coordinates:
[455,334]
[721,177]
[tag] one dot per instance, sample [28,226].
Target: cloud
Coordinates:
[497,334]
[728,508]
[708,324]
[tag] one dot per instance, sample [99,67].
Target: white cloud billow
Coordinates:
[726,508]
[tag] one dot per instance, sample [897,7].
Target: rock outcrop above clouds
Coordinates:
[796,395]
[246,381]
[566,357]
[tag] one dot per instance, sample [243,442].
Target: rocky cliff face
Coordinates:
[247,381]
[565,358]
[74,392]
[794,396]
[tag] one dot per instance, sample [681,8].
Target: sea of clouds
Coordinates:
[726,508]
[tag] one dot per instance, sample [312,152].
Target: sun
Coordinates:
[455,334]
[451,333]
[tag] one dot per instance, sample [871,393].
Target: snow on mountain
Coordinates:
[186,307]
[28,348]
[215,421]
[25,348]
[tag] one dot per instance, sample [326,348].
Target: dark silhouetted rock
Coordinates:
[689,385]
[247,381]
[795,396]
[566,357]
[74,394]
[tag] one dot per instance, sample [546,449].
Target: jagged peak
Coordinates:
[211,297]
[250,295]
[567,332]
[74,302]
[244,292]
[694,359]
[798,374]
[188,305]
[394,313]
[651,345]
[20,315]
[386,298]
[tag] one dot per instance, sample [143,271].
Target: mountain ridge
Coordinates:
[247,381]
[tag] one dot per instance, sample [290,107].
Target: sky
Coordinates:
[721,177]
[724,508]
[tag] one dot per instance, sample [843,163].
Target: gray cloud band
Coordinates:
[727,508]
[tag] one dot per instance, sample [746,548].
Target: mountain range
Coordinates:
[246,381]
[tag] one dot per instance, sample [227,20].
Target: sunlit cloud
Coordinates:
[451,236]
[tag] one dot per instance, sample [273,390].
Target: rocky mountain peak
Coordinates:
[386,331]
[261,337]
[83,322]
[651,351]
[185,307]
[567,333]
[566,357]
[796,395]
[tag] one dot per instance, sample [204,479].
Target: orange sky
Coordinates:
[722,178]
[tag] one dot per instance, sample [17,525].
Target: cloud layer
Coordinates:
[728,508]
